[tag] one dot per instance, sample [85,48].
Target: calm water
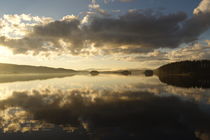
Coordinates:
[103,107]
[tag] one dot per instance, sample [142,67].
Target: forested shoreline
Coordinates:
[185,68]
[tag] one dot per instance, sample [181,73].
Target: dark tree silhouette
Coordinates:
[190,68]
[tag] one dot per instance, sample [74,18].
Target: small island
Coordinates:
[126,72]
[94,72]
[148,72]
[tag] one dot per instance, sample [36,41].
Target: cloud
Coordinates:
[154,59]
[95,6]
[158,57]
[16,26]
[47,37]
[137,31]
[195,51]
[204,7]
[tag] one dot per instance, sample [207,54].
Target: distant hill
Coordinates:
[185,68]
[21,69]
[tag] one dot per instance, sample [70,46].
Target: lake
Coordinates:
[102,107]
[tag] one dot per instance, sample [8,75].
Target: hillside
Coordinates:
[185,68]
[22,69]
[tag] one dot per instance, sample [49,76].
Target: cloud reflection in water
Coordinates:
[130,114]
[132,109]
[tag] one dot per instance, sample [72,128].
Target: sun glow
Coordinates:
[5,51]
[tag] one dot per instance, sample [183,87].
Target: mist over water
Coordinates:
[105,106]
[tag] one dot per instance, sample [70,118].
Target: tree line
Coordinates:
[196,67]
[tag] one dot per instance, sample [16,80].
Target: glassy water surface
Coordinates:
[102,107]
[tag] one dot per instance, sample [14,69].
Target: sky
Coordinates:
[104,34]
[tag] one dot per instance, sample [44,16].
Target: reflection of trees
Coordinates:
[138,115]
[186,81]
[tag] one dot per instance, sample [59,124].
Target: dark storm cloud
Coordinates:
[148,31]
[134,32]
[194,27]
